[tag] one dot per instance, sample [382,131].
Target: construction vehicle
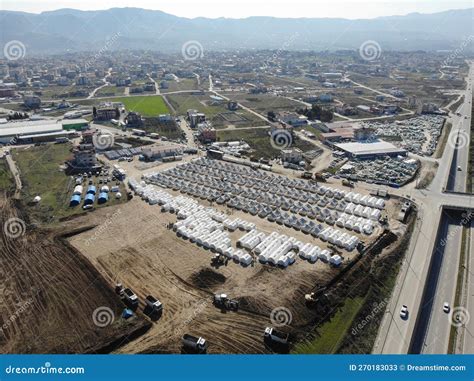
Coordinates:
[307,175]
[194,344]
[272,335]
[224,302]
[218,259]
[348,183]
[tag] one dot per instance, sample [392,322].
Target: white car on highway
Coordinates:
[446,307]
[404,312]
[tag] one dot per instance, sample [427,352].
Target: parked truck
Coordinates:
[130,297]
[278,337]
[193,343]
[153,305]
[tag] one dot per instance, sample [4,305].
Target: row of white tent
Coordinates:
[287,183]
[263,210]
[218,174]
[365,200]
[281,250]
[209,228]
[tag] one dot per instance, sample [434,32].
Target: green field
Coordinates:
[145,105]
[41,175]
[259,140]
[217,114]
[330,334]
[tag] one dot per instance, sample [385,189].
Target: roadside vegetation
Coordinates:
[443,140]
[470,164]
[363,298]
[456,104]
[7,182]
[460,284]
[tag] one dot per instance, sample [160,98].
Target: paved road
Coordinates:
[442,288]
[395,334]
[467,331]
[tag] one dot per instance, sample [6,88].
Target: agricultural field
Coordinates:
[182,85]
[145,105]
[263,103]
[108,91]
[259,140]
[217,114]
[51,293]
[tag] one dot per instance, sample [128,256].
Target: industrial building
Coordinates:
[370,150]
[155,153]
[39,130]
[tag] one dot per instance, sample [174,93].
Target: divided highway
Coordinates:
[432,332]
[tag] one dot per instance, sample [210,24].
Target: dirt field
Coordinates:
[139,251]
[49,293]
[136,248]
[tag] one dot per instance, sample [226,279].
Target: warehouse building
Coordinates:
[34,131]
[370,150]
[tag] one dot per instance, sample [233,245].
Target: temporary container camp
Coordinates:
[75,200]
[90,198]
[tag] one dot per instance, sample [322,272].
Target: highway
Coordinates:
[467,330]
[432,334]
[395,334]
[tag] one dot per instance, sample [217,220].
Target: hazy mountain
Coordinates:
[124,28]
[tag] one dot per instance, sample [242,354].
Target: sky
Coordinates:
[351,9]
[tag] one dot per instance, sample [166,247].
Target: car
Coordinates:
[87,207]
[404,312]
[446,307]
[459,168]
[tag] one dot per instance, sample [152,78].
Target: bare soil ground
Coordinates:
[136,248]
[49,293]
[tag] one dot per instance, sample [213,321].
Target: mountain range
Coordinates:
[134,28]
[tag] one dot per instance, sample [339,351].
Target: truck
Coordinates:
[348,183]
[130,297]
[278,337]
[193,343]
[138,132]
[153,305]
[224,302]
